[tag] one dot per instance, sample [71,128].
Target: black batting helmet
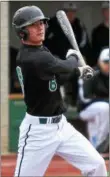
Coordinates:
[26,16]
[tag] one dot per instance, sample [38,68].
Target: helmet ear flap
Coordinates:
[22,33]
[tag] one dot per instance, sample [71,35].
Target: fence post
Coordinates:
[4,76]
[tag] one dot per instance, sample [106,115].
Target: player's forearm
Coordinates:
[65,66]
[63,78]
[54,65]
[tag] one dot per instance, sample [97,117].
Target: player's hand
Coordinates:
[85,72]
[72,52]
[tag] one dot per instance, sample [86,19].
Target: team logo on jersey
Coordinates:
[53,85]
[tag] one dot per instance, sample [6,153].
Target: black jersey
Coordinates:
[39,75]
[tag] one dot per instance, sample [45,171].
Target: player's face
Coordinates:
[36,32]
[104,66]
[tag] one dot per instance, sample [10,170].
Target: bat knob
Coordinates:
[88,74]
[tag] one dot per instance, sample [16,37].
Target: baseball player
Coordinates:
[96,110]
[44,130]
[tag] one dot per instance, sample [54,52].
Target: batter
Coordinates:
[44,130]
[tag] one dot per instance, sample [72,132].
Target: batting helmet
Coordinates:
[26,16]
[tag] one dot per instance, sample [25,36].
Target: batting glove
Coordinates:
[85,72]
[72,52]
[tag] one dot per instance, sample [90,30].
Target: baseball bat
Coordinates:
[69,33]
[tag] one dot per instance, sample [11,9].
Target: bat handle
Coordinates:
[81,60]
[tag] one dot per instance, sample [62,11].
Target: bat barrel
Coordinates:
[69,33]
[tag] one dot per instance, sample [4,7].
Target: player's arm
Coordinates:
[56,65]
[48,63]
[65,77]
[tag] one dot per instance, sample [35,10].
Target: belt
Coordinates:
[50,120]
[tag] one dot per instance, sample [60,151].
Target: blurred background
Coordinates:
[90,22]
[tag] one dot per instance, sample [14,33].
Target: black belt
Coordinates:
[55,119]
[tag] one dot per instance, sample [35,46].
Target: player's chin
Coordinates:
[41,38]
